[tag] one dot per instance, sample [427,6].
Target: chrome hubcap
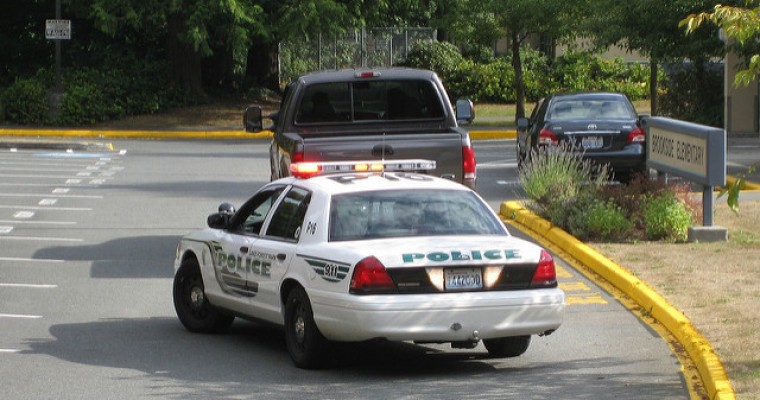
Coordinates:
[300,329]
[196,297]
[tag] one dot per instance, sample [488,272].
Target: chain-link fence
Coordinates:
[362,48]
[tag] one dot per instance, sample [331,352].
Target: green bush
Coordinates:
[666,217]
[600,221]
[25,101]
[555,178]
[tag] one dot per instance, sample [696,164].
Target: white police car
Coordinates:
[368,251]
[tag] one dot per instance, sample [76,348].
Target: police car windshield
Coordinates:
[401,213]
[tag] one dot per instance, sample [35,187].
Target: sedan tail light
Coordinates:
[637,135]
[468,162]
[547,137]
[371,277]
[546,272]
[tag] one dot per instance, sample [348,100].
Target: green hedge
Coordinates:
[91,95]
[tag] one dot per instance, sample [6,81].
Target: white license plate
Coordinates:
[592,142]
[463,278]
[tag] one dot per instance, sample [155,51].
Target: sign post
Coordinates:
[694,152]
[57,29]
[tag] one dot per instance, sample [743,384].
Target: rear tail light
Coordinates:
[469,165]
[546,272]
[371,277]
[637,135]
[547,137]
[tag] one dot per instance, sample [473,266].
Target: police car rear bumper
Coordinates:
[446,317]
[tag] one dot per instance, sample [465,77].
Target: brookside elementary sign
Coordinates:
[692,151]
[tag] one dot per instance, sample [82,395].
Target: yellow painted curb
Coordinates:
[200,134]
[135,134]
[700,350]
[731,180]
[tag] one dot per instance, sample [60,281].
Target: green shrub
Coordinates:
[666,217]
[601,221]
[25,101]
[555,178]
[694,93]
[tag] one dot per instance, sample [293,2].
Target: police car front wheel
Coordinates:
[190,302]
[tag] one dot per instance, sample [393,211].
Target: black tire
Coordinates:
[191,304]
[306,345]
[508,346]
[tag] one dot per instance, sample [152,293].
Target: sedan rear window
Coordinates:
[564,110]
[389,214]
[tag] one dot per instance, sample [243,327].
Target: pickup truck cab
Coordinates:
[387,113]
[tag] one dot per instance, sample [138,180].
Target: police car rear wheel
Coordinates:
[306,345]
[508,346]
[191,304]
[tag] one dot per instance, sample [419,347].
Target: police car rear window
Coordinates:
[389,214]
[387,100]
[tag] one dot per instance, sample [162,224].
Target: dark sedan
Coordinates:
[605,126]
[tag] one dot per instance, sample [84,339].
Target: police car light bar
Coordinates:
[311,169]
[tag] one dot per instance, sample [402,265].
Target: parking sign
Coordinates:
[58,29]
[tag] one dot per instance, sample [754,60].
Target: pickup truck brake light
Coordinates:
[469,165]
[367,74]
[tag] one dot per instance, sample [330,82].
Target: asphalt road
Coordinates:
[87,240]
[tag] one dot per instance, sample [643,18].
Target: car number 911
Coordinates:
[463,278]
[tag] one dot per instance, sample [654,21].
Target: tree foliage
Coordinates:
[741,24]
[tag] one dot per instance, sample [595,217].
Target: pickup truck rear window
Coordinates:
[346,102]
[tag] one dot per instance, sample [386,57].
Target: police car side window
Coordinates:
[288,217]
[251,216]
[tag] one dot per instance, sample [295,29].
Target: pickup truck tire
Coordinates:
[306,345]
[191,304]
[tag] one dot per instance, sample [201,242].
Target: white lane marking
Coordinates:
[47,239]
[10,351]
[5,229]
[68,177]
[508,183]
[37,222]
[61,191]
[48,208]
[47,202]
[20,316]
[62,196]
[23,214]
[28,285]
[40,260]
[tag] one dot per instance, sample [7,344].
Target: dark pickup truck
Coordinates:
[349,115]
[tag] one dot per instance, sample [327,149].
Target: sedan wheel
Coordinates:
[191,304]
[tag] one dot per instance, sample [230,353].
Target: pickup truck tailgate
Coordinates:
[445,148]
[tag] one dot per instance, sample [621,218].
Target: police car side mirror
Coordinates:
[252,120]
[218,220]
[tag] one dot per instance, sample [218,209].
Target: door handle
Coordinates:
[281,256]
[244,249]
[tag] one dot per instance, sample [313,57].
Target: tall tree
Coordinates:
[650,27]
[291,19]
[517,20]
[191,28]
[741,24]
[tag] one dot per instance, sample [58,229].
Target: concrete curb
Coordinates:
[709,366]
